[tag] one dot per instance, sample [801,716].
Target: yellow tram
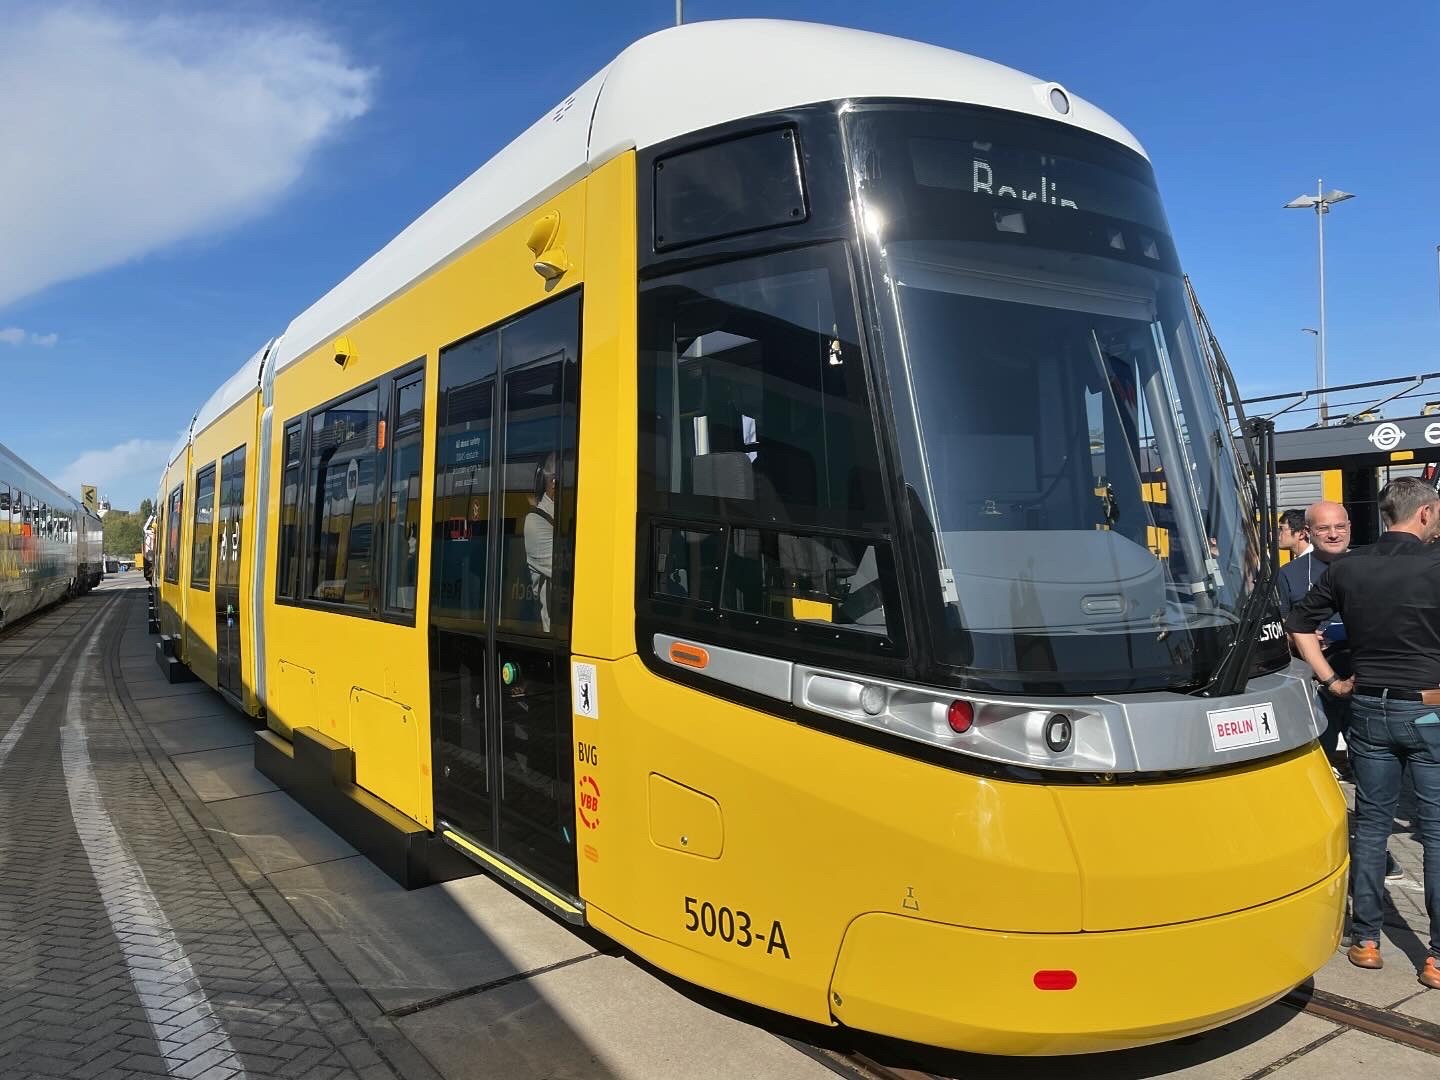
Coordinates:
[787,523]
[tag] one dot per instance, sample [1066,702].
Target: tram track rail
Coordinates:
[1374,1020]
[855,1065]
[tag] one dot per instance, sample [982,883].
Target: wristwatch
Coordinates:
[1327,683]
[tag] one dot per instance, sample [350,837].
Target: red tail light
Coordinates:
[1055,980]
[961,715]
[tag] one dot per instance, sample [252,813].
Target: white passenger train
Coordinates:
[50,545]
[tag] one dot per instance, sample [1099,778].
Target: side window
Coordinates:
[204,526]
[288,573]
[540,354]
[460,525]
[759,469]
[349,532]
[402,513]
[172,536]
[340,531]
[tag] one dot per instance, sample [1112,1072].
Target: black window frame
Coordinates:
[175,515]
[209,472]
[826,644]
[386,388]
[289,564]
[396,430]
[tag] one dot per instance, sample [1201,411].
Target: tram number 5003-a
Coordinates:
[734,926]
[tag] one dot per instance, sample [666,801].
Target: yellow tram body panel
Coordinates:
[909,890]
[360,681]
[975,990]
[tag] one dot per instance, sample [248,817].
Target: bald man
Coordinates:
[1328,524]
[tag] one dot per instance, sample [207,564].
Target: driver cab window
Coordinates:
[757,433]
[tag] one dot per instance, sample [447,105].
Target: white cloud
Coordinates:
[124,134]
[125,474]
[13,335]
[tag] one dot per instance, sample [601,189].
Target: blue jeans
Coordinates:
[1386,737]
[1337,722]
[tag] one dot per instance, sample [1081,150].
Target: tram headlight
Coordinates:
[1059,101]
[1059,731]
[872,700]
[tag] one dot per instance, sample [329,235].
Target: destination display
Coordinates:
[957,174]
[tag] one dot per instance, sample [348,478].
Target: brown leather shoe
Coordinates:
[1366,954]
[1430,973]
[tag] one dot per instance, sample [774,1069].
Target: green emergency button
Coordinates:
[508,672]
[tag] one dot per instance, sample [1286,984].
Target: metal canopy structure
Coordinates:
[1382,422]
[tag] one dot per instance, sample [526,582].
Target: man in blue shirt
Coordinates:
[1328,525]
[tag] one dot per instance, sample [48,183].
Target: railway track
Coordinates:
[1345,1013]
[61,619]
[1371,1019]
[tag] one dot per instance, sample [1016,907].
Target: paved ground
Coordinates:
[165,911]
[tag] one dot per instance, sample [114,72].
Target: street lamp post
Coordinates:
[1321,201]
[1319,370]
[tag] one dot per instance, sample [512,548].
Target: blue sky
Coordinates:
[178,181]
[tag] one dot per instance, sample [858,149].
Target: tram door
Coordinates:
[501,575]
[228,616]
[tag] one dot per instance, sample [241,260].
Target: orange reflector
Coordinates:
[1055,980]
[380,438]
[691,656]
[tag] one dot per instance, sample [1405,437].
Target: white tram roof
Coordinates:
[234,390]
[180,444]
[678,80]
[15,471]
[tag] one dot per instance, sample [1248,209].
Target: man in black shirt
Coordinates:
[1389,597]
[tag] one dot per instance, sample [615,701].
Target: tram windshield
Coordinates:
[1065,455]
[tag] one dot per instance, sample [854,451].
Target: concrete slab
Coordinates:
[223,774]
[1425,1005]
[1357,1054]
[278,833]
[1239,1049]
[144,675]
[600,1018]
[1392,983]
[204,733]
[142,692]
[407,947]
[163,710]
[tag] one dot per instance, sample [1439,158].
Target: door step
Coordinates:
[569,908]
[165,659]
[319,774]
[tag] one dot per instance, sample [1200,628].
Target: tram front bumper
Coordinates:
[975,990]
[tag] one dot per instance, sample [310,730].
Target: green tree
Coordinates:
[123,533]
[147,508]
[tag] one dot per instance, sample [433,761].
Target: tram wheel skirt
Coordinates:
[975,990]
